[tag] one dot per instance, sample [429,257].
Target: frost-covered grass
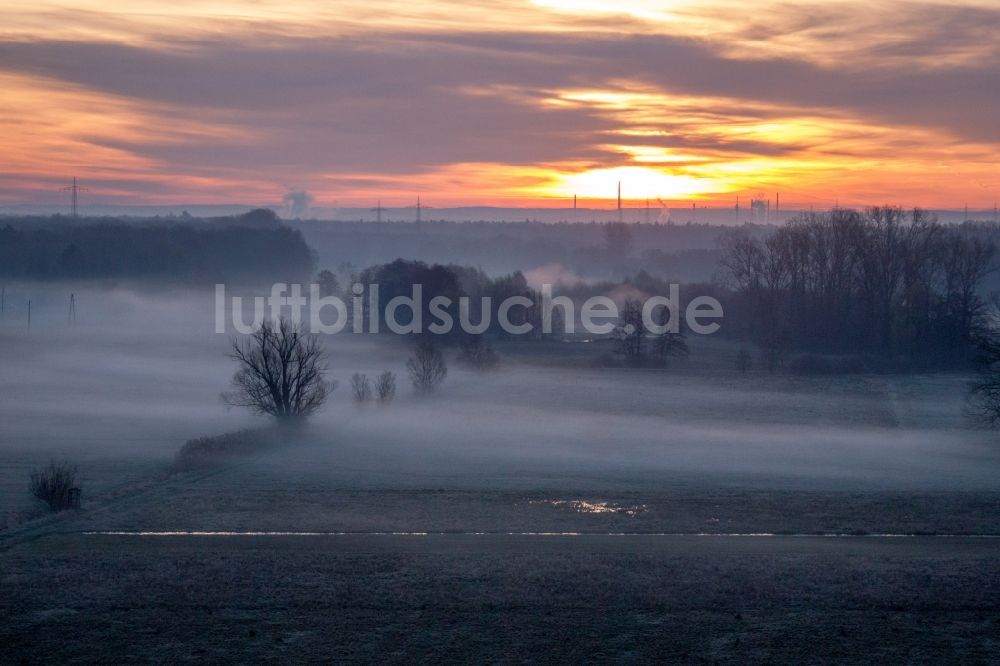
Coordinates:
[699,447]
[413,600]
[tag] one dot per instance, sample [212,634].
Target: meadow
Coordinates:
[547,443]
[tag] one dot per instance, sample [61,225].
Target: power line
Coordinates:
[74,191]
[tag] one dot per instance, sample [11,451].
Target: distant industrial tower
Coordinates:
[760,210]
[420,209]
[74,190]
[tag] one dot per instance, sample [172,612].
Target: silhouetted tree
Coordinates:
[281,372]
[630,333]
[668,345]
[361,388]
[427,368]
[264,217]
[385,387]
[478,354]
[984,392]
[877,282]
[398,278]
[328,283]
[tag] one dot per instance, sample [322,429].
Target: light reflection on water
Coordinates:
[779,535]
[584,506]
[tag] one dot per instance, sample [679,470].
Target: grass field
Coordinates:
[503,600]
[546,444]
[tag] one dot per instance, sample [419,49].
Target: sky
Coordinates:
[514,103]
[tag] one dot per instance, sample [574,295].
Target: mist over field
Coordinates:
[681,332]
[141,371]
[634,474]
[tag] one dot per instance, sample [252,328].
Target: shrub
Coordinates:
[209,451]
[427,368]
[361,388]
[670,345]
[56,486]
[478,354]
[385,387]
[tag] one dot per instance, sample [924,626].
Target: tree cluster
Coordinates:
[879,282]
[640,346]
[455,283]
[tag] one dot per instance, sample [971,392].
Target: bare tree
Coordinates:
[56,486]
[361,388]
[878,281]
[630,333]
[984,392]
[385,387]
[427,368]
[281,372]
[479,354]
[668,345]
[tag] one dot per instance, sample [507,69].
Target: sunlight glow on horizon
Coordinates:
[521,103]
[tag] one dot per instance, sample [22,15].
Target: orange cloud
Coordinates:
[503,103]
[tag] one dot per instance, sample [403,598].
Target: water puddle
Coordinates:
[584,506]
[752,535]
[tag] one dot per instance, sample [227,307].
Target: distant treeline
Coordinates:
[682,252]
[184,252]
[877,282]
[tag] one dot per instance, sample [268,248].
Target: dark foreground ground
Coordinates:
[500,598]
[531,448]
